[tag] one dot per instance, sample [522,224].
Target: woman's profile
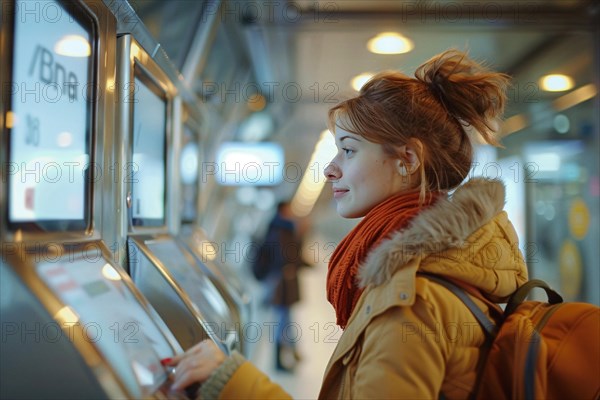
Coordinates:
[404,154]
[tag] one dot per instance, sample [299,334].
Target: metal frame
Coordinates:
[131,55]
[104,30]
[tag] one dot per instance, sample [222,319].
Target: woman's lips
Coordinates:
[337,193]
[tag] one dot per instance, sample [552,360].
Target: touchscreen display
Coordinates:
[51,102]
[149,136]
[97,299]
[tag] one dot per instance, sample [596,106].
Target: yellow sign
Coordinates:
[579,219]
[571,273]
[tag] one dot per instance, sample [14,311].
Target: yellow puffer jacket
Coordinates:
[408,337]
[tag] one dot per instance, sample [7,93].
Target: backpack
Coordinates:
[261,260]
[538,350]
[273,251]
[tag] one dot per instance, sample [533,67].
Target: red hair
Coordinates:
[449,93]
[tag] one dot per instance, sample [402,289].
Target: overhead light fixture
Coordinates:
[556,82]
[562,103]
[390,43]
[514,124]
[575,97]
[73,46]
[359,80]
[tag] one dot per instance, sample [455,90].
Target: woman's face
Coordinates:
[362,175]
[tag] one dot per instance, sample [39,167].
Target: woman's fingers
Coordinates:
[177,358]
[190,371]
[197,364]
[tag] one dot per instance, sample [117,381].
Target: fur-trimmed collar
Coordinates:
[448,223]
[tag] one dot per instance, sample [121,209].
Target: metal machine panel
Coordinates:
[97,307]
[96,296]
[37,359]
[195,240]
[182,293]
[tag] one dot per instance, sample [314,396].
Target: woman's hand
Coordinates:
[197,364]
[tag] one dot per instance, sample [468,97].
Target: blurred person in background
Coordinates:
[276,266]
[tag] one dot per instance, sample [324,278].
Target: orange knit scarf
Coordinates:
[391,215]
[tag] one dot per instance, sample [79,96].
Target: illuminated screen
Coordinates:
[97,299]
[51,103]
[248,164]
[149,136]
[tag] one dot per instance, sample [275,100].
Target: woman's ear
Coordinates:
[409,157]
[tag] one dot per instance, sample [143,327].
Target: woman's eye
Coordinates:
[347,151]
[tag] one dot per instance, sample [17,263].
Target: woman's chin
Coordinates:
[346,213]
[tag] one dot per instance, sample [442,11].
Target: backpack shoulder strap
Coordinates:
[486,323]
[522,292]
[488,326]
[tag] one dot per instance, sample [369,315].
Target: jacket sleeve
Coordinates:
[402,355]
[237,378]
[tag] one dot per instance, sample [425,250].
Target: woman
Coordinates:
[403,145]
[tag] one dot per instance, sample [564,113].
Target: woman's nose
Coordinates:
[332,171]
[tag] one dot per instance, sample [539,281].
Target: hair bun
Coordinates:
[469,91]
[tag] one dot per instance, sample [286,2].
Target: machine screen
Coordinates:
[49,158]
[111,317]
[202,292]
[149,137]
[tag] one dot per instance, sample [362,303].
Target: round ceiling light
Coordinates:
[556,82]
[359,80]
[390,43]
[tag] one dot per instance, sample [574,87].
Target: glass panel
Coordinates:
[198,286]
[112,318]
[149,136]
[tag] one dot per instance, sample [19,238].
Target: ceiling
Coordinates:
[305,52]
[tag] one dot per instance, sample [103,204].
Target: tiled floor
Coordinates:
[313,322]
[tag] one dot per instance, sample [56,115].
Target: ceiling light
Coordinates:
[514,124]
[390,43]
[575,97]
[359,80]
[556,82]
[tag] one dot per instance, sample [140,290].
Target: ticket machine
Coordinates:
[183,294]
[73,323]
[192,163]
